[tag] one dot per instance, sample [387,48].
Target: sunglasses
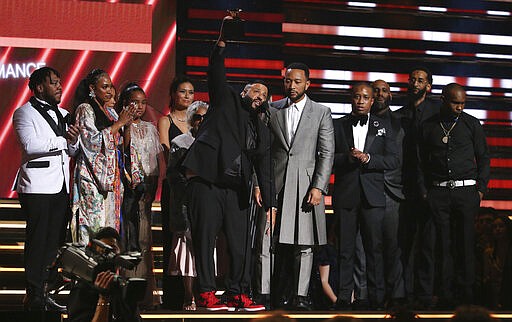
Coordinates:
[197,117]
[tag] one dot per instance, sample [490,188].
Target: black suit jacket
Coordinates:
[393,177]
[221,138]
[350,175]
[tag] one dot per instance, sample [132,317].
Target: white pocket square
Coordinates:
[381,132]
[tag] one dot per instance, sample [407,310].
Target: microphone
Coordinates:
[263,107]
[264,113]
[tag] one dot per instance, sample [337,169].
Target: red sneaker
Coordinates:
[243,302]
[209,301]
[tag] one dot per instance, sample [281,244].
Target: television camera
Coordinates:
[84,263]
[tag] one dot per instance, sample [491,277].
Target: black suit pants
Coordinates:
[392,253]
[47,216]
[453,212]
[211,209]
[416,241]
[369,220]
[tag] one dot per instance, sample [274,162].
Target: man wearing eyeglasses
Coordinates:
[416,225]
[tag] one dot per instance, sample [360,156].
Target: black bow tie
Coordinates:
[48,107]
[361,119]
[44,105]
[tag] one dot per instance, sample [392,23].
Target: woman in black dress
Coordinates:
[169,127]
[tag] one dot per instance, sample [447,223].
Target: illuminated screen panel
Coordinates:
[343,42]
[112,23]
[79,25]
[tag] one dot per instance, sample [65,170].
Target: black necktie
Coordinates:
[361,119]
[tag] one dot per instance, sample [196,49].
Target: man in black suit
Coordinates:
[364,148]
[230,143]
[455,165]
[393,189]
[416,231]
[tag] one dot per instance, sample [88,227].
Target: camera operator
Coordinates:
[99,302]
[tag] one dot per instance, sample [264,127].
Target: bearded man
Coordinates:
[230,143]
[302,155]
[393,189]
[418,231]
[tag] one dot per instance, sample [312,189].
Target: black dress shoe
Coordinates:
[423,305]
[281,304]
[263,299]
[397,304]
[302,304]
[360,305]
[33,303]
[377,307]
[342,305]
[53,306]
[444,305]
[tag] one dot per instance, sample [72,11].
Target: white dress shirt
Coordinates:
[360,131]
[294,113]
[50,112]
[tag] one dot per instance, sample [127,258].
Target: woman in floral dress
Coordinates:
[97,186]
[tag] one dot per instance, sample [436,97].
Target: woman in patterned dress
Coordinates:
[97,186]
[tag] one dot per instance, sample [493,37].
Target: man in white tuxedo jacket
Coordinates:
[42,181]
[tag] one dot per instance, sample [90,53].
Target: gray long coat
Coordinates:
[299,166]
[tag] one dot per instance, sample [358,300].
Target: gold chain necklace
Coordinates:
[447,132]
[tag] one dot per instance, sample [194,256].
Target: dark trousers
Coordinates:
[131,217]
[360,282]
[416,241]
[392,253]
[47,216]
[211,209]
[172,287]
[369,220]
[453,212]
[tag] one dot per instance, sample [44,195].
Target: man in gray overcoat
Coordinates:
[302,156]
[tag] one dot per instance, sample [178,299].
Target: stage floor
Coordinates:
[161,315]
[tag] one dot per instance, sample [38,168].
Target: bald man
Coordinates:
[393,188]
[455,168]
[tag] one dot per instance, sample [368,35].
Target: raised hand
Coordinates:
[128,113]
[72,133]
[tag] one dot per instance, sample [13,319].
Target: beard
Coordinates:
[297,97]
[247,102]
[53,100]
[416,96]
[378,107]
